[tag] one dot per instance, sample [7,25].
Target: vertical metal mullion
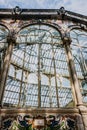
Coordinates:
[55,76]
[50,94]
[21,80]
[26,80]
[5,70]
[39,77]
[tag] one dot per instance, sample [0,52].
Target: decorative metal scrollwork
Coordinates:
[17,10]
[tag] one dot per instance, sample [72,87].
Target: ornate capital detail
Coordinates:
[66,38]
[11,37]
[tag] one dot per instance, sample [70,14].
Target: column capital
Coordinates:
[66,38]
[82,108]
[11,38]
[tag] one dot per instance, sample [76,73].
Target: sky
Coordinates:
[78,6]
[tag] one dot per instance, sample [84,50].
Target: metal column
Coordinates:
[5,70]
[73,74]
[75,82]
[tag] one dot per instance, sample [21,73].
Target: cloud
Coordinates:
[79,6]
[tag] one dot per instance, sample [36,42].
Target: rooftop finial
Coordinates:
[17,10]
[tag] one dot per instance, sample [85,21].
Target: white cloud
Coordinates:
[79,6]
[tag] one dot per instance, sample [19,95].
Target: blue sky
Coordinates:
[79,6]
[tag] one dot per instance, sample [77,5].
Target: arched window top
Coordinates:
[39,34]
[32,78]
[65,82]
[79,37]
[3,30]
[79,40]
[3,37]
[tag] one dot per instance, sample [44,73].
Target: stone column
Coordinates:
[7,59]
[79,122]
[0,121]
[83,112]
[74,80]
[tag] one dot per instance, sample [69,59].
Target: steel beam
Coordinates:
[27,14]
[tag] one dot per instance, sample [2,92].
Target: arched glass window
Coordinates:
[40,77]
[3,44]
[79,50]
